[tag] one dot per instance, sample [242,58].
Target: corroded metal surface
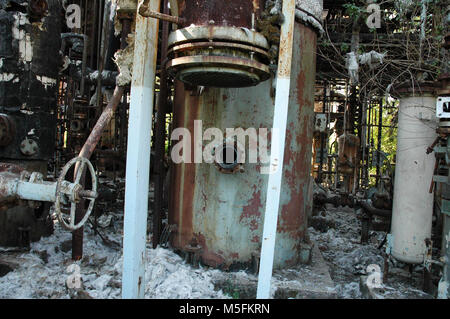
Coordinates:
[219,12]
[209,33]
[348,160]
[349,148]
[223,212]
[7,130]
[218,56]
[29,58]
[75,194]
[30,43]
[8,172]
[219,71]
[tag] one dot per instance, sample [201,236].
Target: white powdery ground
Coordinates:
[167,276]
[348,259]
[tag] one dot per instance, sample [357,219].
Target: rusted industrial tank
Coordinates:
[348,158]
[217,45]
[348,153]
[220,206]
[29,65]
[239,14]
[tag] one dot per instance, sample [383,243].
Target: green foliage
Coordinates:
[345,48]
[353,10]
[230,290]
[388,138]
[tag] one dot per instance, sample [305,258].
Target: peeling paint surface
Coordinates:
[310,13]
[29,66]
[313,7]
[6,77]
[25,44]
[46,81]
[219,12]
[223,212]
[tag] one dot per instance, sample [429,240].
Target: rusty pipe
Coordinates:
[107,114]
[90,145]
[86,152]
[146,12]
[160,135]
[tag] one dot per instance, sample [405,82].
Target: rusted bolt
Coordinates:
[29,147]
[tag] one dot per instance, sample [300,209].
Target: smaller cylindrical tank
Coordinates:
[348,153]
[348,159]
[413,202]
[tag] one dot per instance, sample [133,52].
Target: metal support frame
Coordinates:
[380,134]
[146,12]
[277,150]
[444,284]
[138,155]
[160,134]
[323,140]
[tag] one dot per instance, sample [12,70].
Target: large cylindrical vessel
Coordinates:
[223,209]
[219,12]
[413,202]
[30,42]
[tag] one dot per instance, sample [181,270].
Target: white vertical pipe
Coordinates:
[138,155]
[412,213]
[277,150]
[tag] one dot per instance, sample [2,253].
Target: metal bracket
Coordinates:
[443,107]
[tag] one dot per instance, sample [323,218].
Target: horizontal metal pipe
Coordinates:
[375,211]
[43,192]
[146,12]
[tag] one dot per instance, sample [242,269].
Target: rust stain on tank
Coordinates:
[298,160]
[221,237]
[182,202]
[294,212]
[234,256]
[256,239]
[219,12]
[208,257]
[253,208]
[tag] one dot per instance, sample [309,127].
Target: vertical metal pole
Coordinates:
[444,284]
[77,236]
[380,136]
[160,134]
[363,143]
[277,150]
[322,135]
[138,155]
